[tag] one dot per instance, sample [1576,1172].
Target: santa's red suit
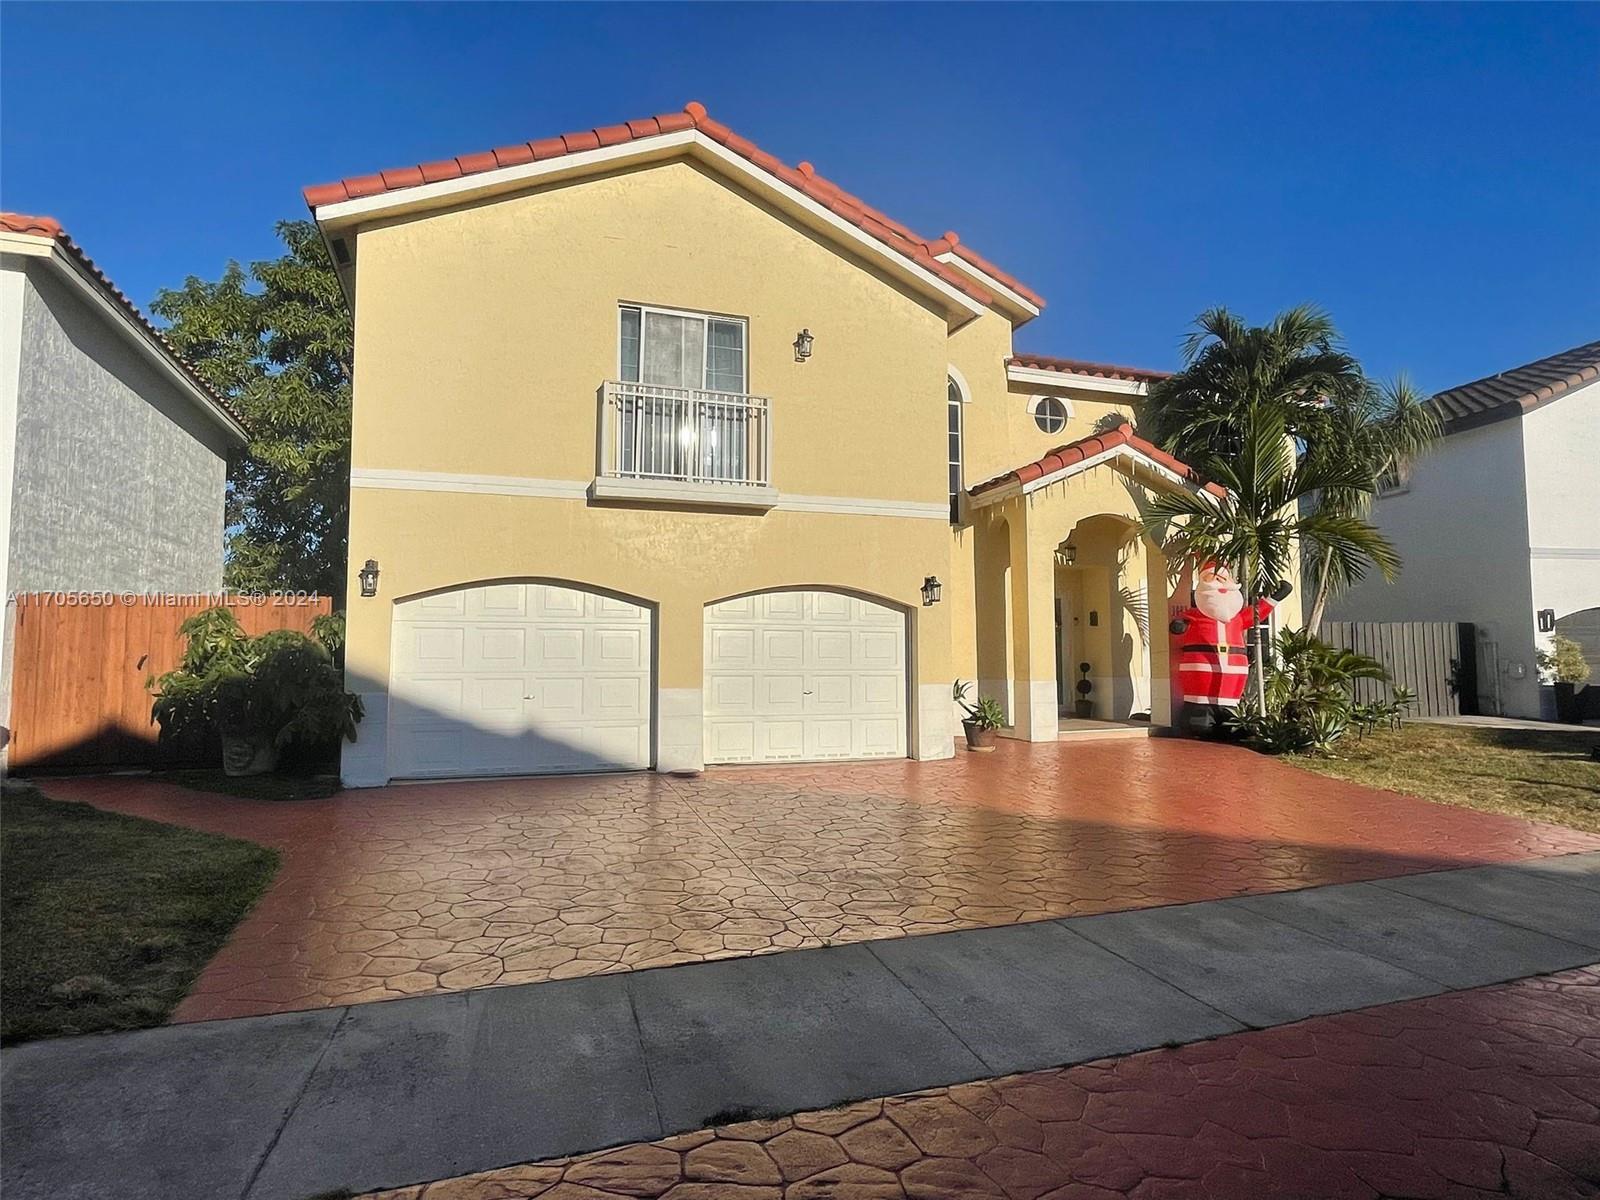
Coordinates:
[1213,654]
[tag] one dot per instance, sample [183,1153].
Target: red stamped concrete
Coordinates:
[1494,1092]
[440,887]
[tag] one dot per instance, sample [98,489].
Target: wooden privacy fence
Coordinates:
[1424,656]
[79,663]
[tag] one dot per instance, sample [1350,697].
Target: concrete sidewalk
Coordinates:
[284,1107]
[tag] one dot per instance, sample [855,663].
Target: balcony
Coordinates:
[685,446]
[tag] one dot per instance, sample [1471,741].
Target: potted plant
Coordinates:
[982,718]
[1083,707]
[1565,663]
[257,695]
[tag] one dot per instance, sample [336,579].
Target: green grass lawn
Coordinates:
[105,920]
[1538,774]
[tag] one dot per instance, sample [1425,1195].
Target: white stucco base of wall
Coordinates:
[1039,720]
[1160,700]
[936,724]
[680,729]
[365,761]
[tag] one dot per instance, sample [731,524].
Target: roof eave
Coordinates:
[348,216]
[84,281]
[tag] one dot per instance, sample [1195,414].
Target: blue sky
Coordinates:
[1430,174]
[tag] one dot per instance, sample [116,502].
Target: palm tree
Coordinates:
[1292,365]
[1382,430]
[1269,511]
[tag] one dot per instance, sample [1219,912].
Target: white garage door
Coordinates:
[804,675]
[519,679]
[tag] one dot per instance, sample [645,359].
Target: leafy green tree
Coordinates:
[1381,430]
[277,341]
[1292,365]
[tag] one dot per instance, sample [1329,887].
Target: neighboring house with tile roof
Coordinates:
[1499,524]
[113,454]
[668,453]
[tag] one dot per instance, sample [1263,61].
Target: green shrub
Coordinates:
[1310,701]
[985,714]
[1564,661]
[258,694]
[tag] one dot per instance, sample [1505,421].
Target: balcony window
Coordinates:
[679,417]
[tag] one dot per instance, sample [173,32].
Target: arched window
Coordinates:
[953,428]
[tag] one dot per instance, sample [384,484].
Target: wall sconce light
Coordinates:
[1067,555]
[931,588]
[369,578]
[802,345]
[1547,620]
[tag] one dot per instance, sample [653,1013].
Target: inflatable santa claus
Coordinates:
[1213,654]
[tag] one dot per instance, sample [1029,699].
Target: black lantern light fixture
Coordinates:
[1066,554]
[802,345]
[931,587]
[369,578]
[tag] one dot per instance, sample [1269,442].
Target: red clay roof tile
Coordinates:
[1077,366]
[804,178]
[1087,447]
[49,227]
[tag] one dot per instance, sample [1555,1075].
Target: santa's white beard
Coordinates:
[1217,604]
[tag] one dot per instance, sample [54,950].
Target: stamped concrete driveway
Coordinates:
[443,887]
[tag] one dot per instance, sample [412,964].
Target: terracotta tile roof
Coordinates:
[803,178]
[1512,392]
[950,243]
[49,227]
[1087,447]
[1076,366]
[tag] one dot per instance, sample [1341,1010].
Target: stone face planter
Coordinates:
[978,738]
[248,755]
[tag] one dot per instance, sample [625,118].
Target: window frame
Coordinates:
[1038,402]
[705,319]
[955,425]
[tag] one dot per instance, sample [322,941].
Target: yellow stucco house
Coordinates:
[668,454]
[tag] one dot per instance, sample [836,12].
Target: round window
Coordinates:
[1049,414]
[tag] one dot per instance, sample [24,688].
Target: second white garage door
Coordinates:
[797,676]
[519,679]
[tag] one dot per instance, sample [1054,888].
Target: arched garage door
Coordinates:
[519,679]
[795,676]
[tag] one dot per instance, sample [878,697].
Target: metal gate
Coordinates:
[1438,660]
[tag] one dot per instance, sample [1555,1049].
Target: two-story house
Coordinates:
[1499,524]
[667,453]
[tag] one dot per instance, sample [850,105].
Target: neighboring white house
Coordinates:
[1499,524]
[113,453]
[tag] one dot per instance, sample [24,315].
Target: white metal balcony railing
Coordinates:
[688,435]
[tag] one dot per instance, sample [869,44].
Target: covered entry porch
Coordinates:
[1071,595]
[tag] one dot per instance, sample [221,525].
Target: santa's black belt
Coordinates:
[1215,649]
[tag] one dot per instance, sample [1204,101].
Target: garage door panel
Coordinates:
[731,741]
[880,737]
[830,737]
[829,648]
[779,740]
[804,675]
[832,608]
[779,607]
[619,648]
[520,679]
[878,693]
[879,648]
[496,648]
[616,698]
[500,600]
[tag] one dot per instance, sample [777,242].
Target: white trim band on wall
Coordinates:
[575,489]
